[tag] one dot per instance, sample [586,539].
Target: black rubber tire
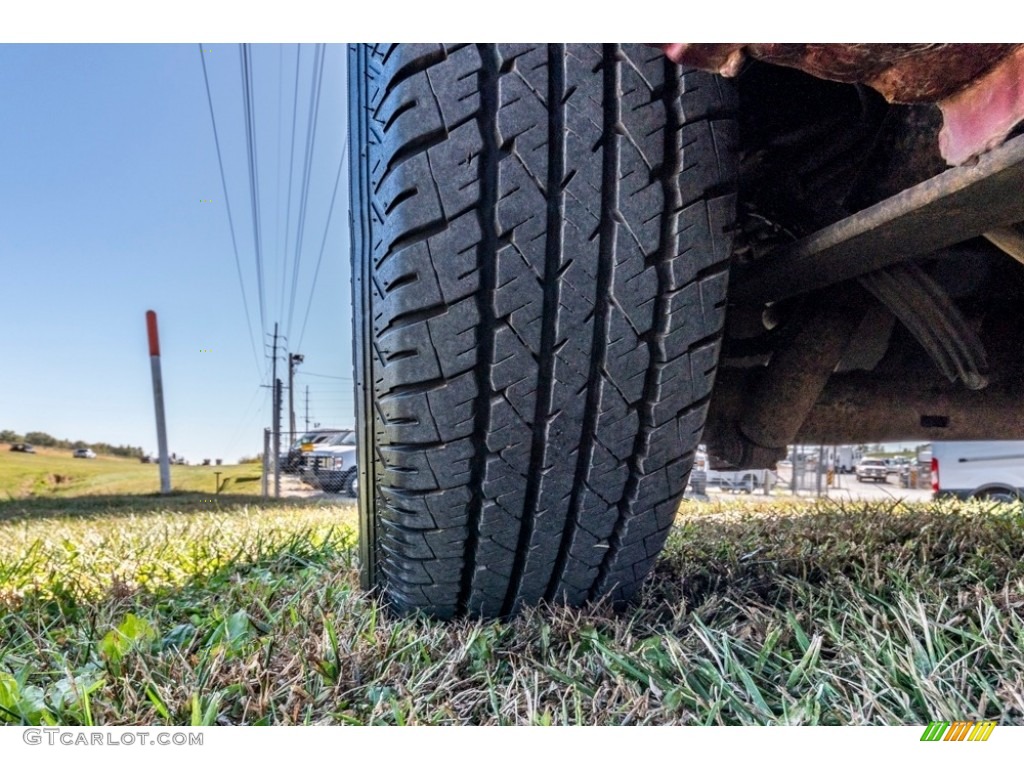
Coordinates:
[1004,495]
[351,484]
[541,238]
[343,484]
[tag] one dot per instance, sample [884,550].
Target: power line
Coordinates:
[342,389]
[325,376]
[247,416]
[227,205]
[291,173]
[327,227]
[314,111]
[277,177]
[336,400]
[254,182]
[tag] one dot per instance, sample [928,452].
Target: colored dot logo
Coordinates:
[205,200]
[206,350]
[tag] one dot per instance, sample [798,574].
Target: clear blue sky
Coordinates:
[107,152]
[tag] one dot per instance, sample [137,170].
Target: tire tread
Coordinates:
[549,236]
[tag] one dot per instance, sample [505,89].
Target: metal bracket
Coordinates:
[954,206]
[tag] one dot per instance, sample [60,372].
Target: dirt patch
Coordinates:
[49,483]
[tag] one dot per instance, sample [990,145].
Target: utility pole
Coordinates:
[277,438]
[273,376]
[275,405]
[293,360]
[307,407]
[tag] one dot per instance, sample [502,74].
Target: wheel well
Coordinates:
[988,490]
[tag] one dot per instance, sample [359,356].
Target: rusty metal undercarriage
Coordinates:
[876,293]
[979,88]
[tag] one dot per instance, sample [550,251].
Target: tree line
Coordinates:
[49,441]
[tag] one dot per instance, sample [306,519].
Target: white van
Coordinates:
[978,469]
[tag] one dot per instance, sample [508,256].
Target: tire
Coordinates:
[329,486]
[351,484]
[541,237]
[1004,495]
[346,484]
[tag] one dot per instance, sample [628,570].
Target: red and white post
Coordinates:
[158,400]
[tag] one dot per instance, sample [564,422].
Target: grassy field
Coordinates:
[144,611]
[54,473]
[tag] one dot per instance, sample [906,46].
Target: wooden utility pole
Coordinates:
[273,376]
[307,407]
[276,417]
[277,438]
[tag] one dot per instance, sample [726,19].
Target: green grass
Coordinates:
[153,612]
[55,474]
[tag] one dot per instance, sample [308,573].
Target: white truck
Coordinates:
[842,458]
[976,469]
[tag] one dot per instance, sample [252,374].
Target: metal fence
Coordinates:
[816,471]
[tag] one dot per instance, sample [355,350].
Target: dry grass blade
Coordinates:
[124,611]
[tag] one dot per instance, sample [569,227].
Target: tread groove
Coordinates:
[671,165]
[599,338]
[543,405]
[413,68]
[487,216]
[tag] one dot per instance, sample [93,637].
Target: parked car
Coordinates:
[84,453]
[872,469]
[23,448]
[897,464]
[978,469]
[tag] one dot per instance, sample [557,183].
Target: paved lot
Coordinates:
[292,487]
[844,487]
[851,488]
[858,493]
